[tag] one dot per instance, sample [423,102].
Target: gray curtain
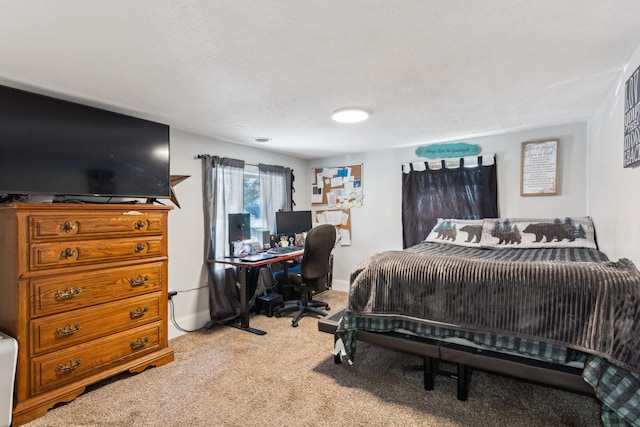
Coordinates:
[223,194]
[275,190]
[462,191]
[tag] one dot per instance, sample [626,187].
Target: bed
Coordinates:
[521,296]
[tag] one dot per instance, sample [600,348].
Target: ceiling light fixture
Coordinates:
[261,140]
[350,115]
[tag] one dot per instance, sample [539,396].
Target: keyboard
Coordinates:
[284,250]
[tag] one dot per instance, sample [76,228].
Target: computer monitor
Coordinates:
[239,227]
[291,222]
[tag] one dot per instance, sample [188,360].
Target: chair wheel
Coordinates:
[294,324]
[328,308]
[278,314]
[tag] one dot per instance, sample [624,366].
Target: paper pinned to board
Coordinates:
[316,195]
[332,217]
[337,181]
[345,237]
[340,219]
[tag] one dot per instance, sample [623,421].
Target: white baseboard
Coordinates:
[340,285]
[190,322]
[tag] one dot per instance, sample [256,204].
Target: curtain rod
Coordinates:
[202,156]
[438,159]
[442,162]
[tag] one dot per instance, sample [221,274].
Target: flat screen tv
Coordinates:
[49,146]
[291,222]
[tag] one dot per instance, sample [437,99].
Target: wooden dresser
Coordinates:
[83,288]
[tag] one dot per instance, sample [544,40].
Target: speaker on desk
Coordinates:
[266,239]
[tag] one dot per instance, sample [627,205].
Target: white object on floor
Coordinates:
[8,358]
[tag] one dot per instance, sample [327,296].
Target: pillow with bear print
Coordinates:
[538,233]
[462,232]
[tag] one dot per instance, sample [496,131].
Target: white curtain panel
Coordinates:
[275,191]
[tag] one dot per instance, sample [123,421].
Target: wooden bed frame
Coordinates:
[467,358]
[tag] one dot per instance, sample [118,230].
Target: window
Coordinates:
[252,199]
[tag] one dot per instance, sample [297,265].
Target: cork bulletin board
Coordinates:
[339,187]
[341,219]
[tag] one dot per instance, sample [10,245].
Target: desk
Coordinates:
[244,291]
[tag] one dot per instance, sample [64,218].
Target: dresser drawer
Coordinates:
[82,252]
[65,366]
[71,291]
[65,329]
[73,225]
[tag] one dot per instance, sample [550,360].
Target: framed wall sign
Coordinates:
[439,151]
[539,171]
[631,154]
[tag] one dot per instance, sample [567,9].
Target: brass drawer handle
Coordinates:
[137,281]
[68,293]
[139,224]
[69,366]
[67,253]
[68,330]
[138,312]
[140,342]
[67,227]
[139,248]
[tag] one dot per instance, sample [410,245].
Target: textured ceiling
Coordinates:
[238,69]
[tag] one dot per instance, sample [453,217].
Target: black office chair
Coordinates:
[314,269]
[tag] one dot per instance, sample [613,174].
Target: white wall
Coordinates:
[613,196]
[377,225]
[187,273]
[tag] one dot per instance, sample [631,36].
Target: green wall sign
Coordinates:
[458,149]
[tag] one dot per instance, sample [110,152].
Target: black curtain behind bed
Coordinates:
[446,192]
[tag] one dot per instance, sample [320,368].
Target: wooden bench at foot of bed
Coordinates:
[433,351]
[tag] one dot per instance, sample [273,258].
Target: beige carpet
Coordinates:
[228,377]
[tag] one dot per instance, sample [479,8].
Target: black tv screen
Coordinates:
[290,222]
[54,147]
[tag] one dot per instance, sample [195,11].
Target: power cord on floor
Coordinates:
[173,314]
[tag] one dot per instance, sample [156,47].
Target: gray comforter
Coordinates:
[562,296]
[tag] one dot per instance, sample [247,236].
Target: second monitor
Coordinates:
[239,227]
[293,222]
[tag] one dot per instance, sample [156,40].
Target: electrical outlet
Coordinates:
[172,293]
